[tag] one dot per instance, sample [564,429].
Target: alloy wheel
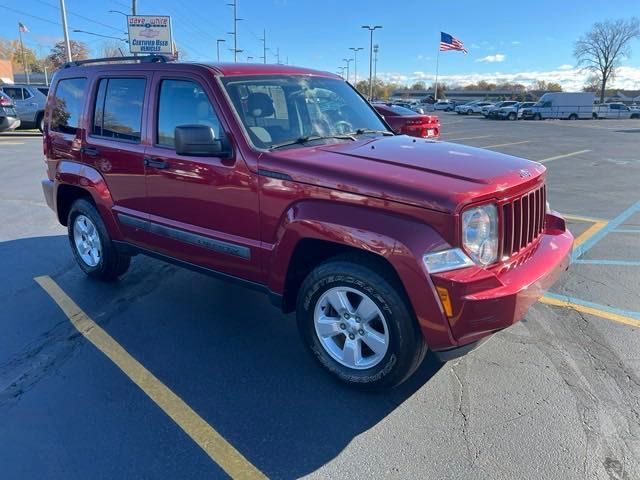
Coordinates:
[87,240]
[351,328]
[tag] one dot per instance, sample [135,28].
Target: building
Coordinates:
[625,96]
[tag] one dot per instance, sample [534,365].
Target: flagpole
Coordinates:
[24,58]
[435,94]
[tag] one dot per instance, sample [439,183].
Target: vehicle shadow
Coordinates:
[230,355]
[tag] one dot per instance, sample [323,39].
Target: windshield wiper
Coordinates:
[362,131]
[310,138]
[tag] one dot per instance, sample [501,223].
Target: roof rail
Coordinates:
[141,59]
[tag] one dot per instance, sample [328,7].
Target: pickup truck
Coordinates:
[614,110]
[286,180]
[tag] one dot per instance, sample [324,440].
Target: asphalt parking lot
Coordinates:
[184,376]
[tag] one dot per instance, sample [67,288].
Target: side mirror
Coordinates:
[200,141]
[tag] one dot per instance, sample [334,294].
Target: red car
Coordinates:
[405,121]
[287,181]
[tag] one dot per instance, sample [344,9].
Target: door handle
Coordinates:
[155,163]
[90,151]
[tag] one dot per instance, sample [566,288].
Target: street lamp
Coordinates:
[376,48]
[341,71]
[355,63]
[99,35]
[218,42]
[371,29]
[347,61]
[118,11]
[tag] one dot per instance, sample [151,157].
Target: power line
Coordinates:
[81,16]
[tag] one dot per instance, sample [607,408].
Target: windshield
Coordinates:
[278,109]
[402,110]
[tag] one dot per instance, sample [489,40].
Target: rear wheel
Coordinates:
[91,245]
[595,116]
[537,116]
[573,116]
[40,122]
[358,325]
[512,116]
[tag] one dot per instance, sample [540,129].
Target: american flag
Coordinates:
[22,27]
[447,42]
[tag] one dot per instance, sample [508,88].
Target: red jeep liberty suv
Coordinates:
[287,180]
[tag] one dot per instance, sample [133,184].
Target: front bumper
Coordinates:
[485,301]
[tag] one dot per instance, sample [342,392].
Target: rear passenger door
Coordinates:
[113,144]
[203,210]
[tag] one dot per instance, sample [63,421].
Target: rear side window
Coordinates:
[44,90]
[14,92]
[67,107]
[183,102]
[118,109]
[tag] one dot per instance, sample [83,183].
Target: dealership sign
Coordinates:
[150,34]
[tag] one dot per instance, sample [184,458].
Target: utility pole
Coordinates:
[234,4]
[134,11]
[24,57]
[278,55]
[371,30]
[355,63]
[347,61]
[63,12]
[218,42]
[264,45]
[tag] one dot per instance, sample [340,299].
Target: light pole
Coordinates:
[371,29]
[347,61]
[218,42]
[376,47]
[63,13]
[341,71]
[355,63]
[234,4]
[264,45]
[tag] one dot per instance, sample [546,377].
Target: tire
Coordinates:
[573,116]
[512,116]
[91,245]
[40,122]
[595,116]
[391,320]
[537,116]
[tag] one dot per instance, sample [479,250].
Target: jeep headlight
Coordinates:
[480,233]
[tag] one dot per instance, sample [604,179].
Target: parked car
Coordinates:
[471,108]
[9,119]
[445,105]
[287,181]
[407,122]
[513,112]
[491,111]
[614,110]
[30,101]
[564,105]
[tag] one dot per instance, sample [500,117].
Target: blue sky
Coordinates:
[506,40]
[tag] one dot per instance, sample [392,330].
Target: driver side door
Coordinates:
[202,210]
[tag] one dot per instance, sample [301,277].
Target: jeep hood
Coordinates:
[437,175]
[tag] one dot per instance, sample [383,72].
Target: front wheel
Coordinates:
[537,116]
[92,248]
[512,116]
[573,116]
[358,325]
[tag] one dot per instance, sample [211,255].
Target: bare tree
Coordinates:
[111,48]
[603,47]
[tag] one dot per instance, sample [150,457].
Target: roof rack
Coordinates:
[141,59]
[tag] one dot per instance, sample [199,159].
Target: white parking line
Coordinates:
[562,156]
[505,144]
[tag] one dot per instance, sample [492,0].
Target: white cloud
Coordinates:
[516,42]
[498,57]
[572,80]
[475,45]
[565,66]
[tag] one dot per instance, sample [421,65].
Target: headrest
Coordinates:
[260,105]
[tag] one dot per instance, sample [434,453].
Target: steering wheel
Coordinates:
[342,126]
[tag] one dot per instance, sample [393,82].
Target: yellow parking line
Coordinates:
[591,311]
[505,144]
[214,445]
[467,138]
[589,232]
[562,156]
[580,218]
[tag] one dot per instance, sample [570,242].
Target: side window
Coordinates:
[117,112]
[14,93]
[26,94]
[182,102]
[67,106]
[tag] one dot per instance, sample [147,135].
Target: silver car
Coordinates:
[30,101]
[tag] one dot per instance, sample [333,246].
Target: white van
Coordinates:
[571,106]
